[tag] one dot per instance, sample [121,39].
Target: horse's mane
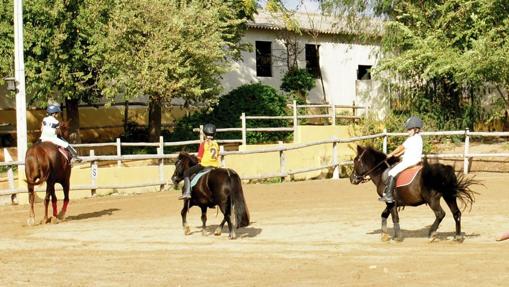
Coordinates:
[377,156]
[193,160]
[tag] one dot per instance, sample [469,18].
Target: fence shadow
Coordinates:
[92,214]
[423,233]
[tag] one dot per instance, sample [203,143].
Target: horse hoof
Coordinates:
[232,236]
[459,238]
[54,220]
[187,230]
[385,237]
[31,221]
[433,237]
[217,232]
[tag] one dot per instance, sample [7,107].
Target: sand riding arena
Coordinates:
[313,233]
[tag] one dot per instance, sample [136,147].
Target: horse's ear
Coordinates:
[359,149]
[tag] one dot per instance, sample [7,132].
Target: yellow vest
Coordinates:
[210,154]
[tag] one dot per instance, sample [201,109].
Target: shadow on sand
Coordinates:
[92,214]
[423,233]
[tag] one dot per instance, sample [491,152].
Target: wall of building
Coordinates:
[339,61]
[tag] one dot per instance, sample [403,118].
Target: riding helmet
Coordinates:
[413,122]
[209,130]
[52,109]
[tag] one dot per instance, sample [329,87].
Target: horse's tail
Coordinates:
[238,200]
[444,180]
[35,172]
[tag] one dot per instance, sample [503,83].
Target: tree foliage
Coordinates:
[170,49]
[441,58]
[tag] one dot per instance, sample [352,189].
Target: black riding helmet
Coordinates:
[209,130]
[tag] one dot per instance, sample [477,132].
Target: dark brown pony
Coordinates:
[432,182]
[45,163]
[219,187]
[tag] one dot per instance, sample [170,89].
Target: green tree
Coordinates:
[168,49]
[62,41]
[439,57]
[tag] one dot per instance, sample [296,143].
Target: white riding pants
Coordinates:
[55,140]
[401,167]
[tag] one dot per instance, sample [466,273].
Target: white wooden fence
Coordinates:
[334,164]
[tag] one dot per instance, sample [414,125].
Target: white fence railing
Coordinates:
[295,117]
[284,172]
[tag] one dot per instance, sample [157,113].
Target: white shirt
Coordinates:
[413,149]
[49,126]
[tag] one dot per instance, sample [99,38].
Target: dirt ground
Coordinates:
[314,233]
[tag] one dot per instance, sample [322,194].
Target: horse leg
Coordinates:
[183,213]
[227,217]
[434,204]
[31,200]
[50,189]
[219,229]
[54,207]
[456,213]
[204,220]
[65,187]
[385,214]
[395,221]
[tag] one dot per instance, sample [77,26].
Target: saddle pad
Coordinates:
[197,176]
[407,176]
[65,153]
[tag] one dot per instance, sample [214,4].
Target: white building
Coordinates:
[344,58]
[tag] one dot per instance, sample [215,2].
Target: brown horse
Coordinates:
[431,183]
[219,187]
[45,163]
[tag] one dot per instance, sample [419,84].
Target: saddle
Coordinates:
[65,153]
[405,177]
[408,175]
[197,176]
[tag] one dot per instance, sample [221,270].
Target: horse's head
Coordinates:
[63,130]
[184,161]
[368,161]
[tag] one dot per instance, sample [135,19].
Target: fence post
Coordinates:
[221,156]
[354,113]
[93,173]
[201,133]
[282,161]
[295,121]
[160,151]
[244,132]
[385,141]
[119,152]
[333,113]
[466,151]
[335,165]
[10,176]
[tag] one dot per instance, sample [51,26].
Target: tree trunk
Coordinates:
[154,119]
[73,116]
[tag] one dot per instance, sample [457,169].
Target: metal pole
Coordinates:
[466,152]
[19,75]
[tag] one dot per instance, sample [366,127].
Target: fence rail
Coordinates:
[281,149]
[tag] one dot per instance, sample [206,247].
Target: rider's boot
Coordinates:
[387,196]
[187,189]
[74,153]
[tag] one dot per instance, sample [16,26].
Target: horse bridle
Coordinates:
[364,177]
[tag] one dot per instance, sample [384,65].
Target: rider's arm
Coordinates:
[200,152]
[397,152]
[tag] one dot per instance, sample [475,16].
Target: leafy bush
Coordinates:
[299,81]
[252,99]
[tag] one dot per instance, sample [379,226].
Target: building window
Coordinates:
[313,60]
[263,59]
[364,72]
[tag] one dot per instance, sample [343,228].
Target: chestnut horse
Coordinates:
[219,187]
[431,183]
[45,163]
